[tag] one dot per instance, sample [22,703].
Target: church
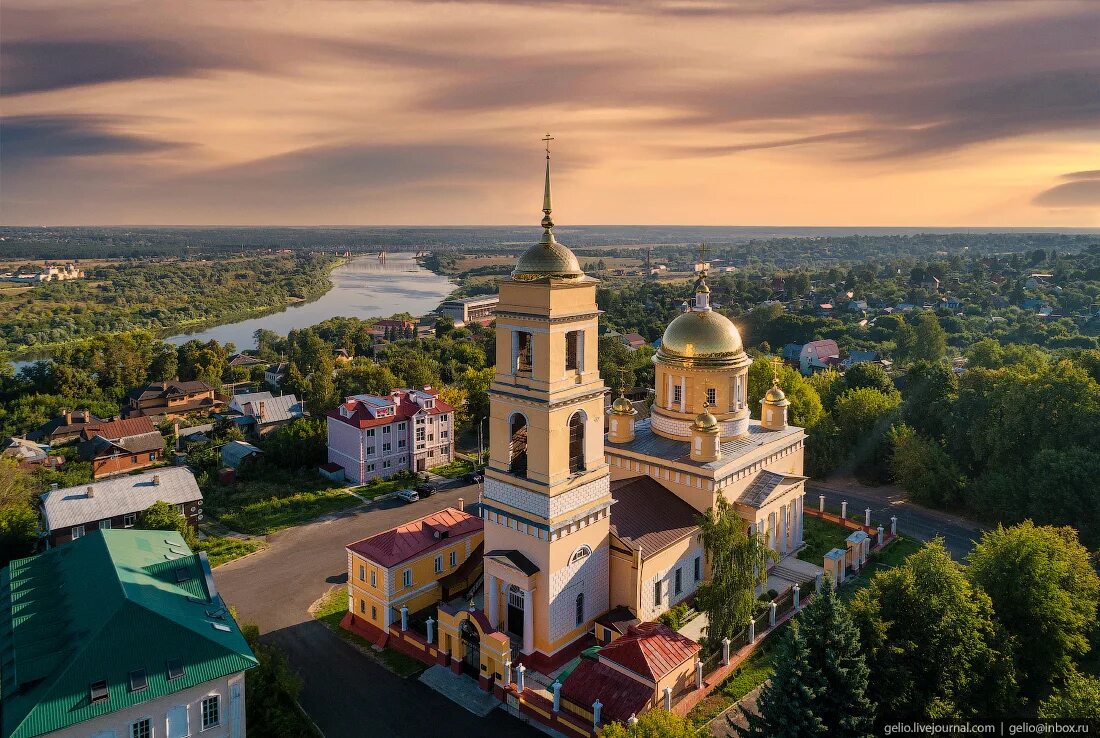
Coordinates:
[584,532]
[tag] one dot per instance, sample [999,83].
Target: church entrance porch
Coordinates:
[471,641]
[515,612]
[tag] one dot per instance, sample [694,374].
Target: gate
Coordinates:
[471,640]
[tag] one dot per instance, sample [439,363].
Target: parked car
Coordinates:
[425,490]
[472,478]
[408,495]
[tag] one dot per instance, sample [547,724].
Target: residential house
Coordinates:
[857,306]
[377,436]
[859,357]
[824,309]
[24,452]
[172,398]
[64,428]
[791,352]
[416,565]
[121,634]
[931,283]
[1038,280]
[815,356]
[341,356]
[244,361]
[633,341]
[236,453]
[120,446]
[630,675]
[275,374]
[261,412]
[72,512]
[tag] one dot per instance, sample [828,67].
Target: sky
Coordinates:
[743,112]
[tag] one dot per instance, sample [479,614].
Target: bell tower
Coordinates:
[547,495]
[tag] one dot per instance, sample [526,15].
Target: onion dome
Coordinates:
[775,395]
[547,259]
[705,422]
[622,406]
[701,336]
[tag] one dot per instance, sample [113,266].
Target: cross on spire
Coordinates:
[622,380]
[547,221]
[776,363]
[703,252]
[547,138]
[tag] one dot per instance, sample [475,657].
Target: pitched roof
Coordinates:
[234,452]
[21,448]
[648,516]
[57,426]
[99,446]
[652,650]
[276,409]
[766,482]
[404,408]
[107,604]
[164,389]
[516,559]
[620,695]
[396,545]
[120,428]
[618,619]
[118,496]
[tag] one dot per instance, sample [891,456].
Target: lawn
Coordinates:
[376,487]
[454,469]
[821,536]
[221,550]
[275,499]
[332,608]
[756,670]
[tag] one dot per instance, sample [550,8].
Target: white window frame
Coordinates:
[129,520]
[454,558]
[407,578]
[373,578]
[105,524]
[148,720]
[202,713]
[362,572]
[77,532]
[439,563]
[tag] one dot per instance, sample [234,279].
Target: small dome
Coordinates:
[548,259]
[705,422]
[702,337]
[775,395]
[622,406]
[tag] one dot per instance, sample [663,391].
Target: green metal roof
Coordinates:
[98,608]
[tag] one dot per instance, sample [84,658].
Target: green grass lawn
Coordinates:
[454,469]
[331,610]
[275,500]
[376,487]
[756,670]
[821,536]
[221,550]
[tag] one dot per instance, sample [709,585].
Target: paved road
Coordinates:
[347,694]
[920,523]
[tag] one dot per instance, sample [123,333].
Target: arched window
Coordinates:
[580,554]
[576,443]
[580,609]
[517,448]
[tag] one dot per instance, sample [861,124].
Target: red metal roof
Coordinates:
[652,650]
[115,429]
[404,408]
[416,537]
[620,695]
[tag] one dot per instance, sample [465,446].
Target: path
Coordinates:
[346,693]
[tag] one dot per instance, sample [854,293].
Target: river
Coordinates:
[365,287]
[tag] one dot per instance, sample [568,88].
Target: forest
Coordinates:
[158,296]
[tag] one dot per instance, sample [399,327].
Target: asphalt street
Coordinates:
[346,693]
[915,521]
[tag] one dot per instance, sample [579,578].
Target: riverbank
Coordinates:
[161,300]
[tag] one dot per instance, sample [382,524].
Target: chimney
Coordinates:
[68,417]
[91,491]
[263,413]
[176,433]
[461,504]
[156,480]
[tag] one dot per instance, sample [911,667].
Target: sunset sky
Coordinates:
[746,112]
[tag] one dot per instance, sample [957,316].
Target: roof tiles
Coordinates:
[396,545]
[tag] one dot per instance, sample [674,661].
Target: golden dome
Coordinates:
[701,338]
[622,406]
[706,422]
[775,395]
[547,259]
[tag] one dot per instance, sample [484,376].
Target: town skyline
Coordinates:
[870,113]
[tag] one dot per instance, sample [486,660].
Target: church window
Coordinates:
[517,449]
[677,394]
[580,554]
[657,593]
[679,580]
[712,396]
[580,609]
[576,443]
[523,350]
[572,350]
[698,568]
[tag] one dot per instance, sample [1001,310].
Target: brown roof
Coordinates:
[417,537]
[164,389]
[652,650]
[648,516]
[115,429]
[620,695]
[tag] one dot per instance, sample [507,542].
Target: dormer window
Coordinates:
[97,691]
[345,412]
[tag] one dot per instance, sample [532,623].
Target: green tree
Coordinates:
[652,724]
[923,469]
[18,517]
[805,409]
[931,642]
[1044,591]
[163,516]
[298,444]
[866,374]
[930,392]
[738,565]
[829,385]
[930,341]
[1077,698]
[789,702]
[363,376]
[837,661]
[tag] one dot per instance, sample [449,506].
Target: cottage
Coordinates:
[275,374]
[171,399]
[24,452]
[64,428]
[236,453]
[261,412]
[633,341]
[817,355]
[119,446]
[72,512]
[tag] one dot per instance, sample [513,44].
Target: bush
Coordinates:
[674,617]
